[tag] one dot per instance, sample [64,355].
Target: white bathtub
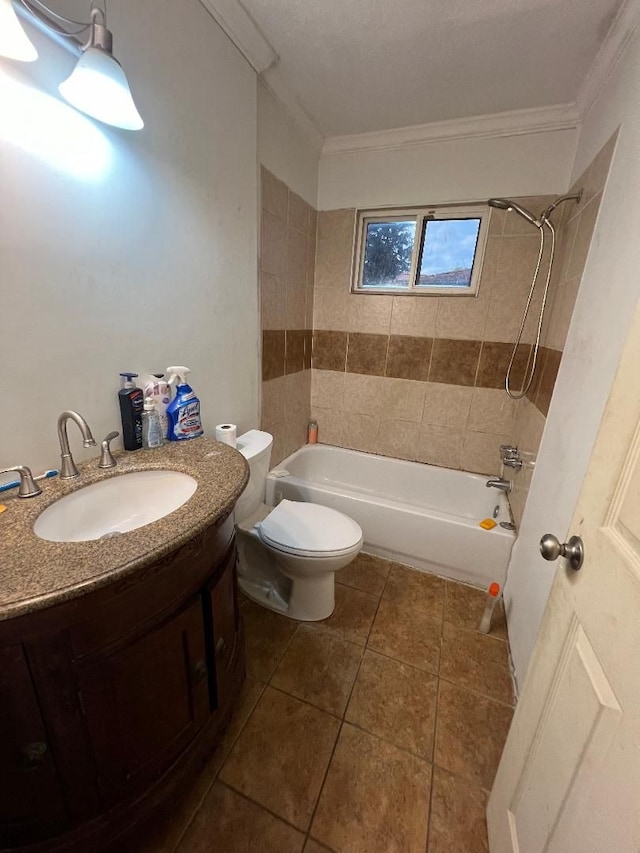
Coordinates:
[416,514]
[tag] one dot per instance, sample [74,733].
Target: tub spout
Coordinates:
[499,483]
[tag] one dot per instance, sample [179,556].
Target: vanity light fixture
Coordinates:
[97,85]
[14,42]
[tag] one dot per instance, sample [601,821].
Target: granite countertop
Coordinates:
[35,573]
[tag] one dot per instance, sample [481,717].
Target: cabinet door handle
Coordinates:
[199,672]
[33,755]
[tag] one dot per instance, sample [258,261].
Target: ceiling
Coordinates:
[357,66]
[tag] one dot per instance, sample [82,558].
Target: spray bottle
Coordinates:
[183,411]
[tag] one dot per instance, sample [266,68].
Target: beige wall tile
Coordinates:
[327,389]
[403,399]
[463,316]
[330,425]
[273,301]
[296,309]
[273,245]
[360,432]
[496,221]
[492,411]
[279,450]
[414,315]
[363,394]
[334,247]
[273,400]
[370,314]
[481,452]
[438,445]
[331,310]
[398,439]
[446,405]
[561,313]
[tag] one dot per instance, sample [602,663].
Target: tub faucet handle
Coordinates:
[106,457]
[508,450]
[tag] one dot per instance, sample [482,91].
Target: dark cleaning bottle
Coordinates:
[131,401]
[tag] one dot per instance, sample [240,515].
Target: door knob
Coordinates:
[573,550]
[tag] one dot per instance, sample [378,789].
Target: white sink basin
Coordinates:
[114,506]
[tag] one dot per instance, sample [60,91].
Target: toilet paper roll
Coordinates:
[227,434]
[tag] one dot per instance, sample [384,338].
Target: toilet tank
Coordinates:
[255,446]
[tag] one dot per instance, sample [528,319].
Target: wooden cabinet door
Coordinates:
[224,615]
[31,803]
[145,700]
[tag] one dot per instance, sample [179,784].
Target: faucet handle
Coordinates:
[28,487]
[508,450]
[106,457]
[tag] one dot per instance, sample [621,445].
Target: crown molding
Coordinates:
[513,123]
[243,32]
[620,31]
[276,84]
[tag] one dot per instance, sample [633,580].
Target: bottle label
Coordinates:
[188,423]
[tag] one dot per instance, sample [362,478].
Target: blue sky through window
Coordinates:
[449,245]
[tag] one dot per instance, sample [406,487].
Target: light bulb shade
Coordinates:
[98,87]
[14,42]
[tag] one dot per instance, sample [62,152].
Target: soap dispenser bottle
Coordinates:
[183,411]
[151,428]
[131,403]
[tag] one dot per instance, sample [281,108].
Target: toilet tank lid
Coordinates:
[253,443]
[309,528]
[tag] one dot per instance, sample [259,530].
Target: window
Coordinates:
[420,252]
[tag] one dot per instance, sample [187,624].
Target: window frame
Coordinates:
[434,212]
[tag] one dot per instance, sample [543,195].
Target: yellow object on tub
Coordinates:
[488,524]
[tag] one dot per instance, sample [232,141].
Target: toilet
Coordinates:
[288,554]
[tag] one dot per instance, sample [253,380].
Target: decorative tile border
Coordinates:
[479,364]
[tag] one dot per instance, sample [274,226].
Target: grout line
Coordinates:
[433,765]
[263,807]
[477,693]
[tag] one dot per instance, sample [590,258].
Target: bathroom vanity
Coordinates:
[120,658]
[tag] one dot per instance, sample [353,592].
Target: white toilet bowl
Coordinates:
[288,555]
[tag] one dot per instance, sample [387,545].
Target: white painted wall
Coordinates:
[151,261]
[608,295]
[446,171]
[284,149]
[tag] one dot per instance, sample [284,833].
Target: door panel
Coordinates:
[572,756]
[155,689]
[224,611]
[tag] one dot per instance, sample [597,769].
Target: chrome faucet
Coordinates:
[68,469]
[28,487]
[499,483]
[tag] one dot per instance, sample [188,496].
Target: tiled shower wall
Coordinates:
[420,377]
[287,257]
[576,224]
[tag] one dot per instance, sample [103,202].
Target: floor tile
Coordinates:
[375,798]
[281,756]
[464,606]
[476,661]
[416,590]
[396,702]
[366,572]
[267,636]
[353,616]
[470,733]
[458,821]
[320,668]
[408,635]
[226,821]
[313,847]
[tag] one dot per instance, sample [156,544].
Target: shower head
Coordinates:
[507,204]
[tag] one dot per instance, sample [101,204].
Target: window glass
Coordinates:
[388,253]
[448,252]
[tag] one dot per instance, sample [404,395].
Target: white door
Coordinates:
[569,778]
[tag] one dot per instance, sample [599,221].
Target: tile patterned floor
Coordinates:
[378,730]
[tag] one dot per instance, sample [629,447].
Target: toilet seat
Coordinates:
[309,530]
